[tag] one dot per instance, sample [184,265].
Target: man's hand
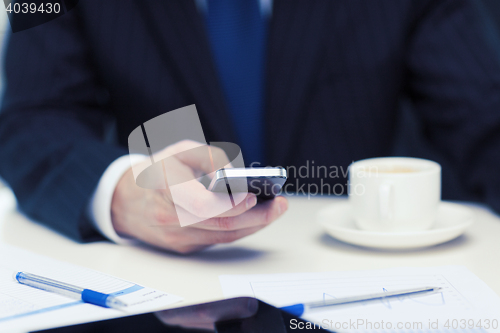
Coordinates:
[150,215]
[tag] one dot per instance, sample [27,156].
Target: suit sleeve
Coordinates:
[454,67]
[53,125]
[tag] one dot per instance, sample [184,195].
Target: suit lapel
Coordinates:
[294,57]
[295,34]
[179,30]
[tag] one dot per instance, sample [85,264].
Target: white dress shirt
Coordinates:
[100,204]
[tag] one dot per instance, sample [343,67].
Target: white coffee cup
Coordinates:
[394,194]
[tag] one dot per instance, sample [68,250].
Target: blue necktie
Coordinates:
[237,34]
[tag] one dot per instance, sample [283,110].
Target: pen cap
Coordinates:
[296,310]
[94,297]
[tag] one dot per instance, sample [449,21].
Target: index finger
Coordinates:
[207,158]
[195,199]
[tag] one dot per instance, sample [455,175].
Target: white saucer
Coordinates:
[452,220]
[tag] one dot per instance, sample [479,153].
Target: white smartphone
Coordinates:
[266,183]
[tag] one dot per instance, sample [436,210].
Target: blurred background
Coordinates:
[411,141]
[3,30]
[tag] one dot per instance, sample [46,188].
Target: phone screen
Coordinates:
[265,183]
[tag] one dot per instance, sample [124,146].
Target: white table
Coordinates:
[294,243]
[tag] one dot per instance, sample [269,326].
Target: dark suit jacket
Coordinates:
[336,72]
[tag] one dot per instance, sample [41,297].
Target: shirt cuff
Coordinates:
[100,205]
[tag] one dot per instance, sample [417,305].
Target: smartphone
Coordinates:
[265,183]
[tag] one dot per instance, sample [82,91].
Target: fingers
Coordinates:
[183,145]
[201,156]
[222,207]
[245,204]
[188,193]
[192,196]
[212,237]
[261,215]
[194,238]
[207,158]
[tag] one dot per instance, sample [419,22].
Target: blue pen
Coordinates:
[299,309]
[68,290]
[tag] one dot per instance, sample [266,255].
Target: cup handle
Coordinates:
[386,204]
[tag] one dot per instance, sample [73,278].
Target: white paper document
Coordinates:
[24,308]
[465,304]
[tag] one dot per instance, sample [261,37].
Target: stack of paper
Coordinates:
[24,308]
[466,303]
